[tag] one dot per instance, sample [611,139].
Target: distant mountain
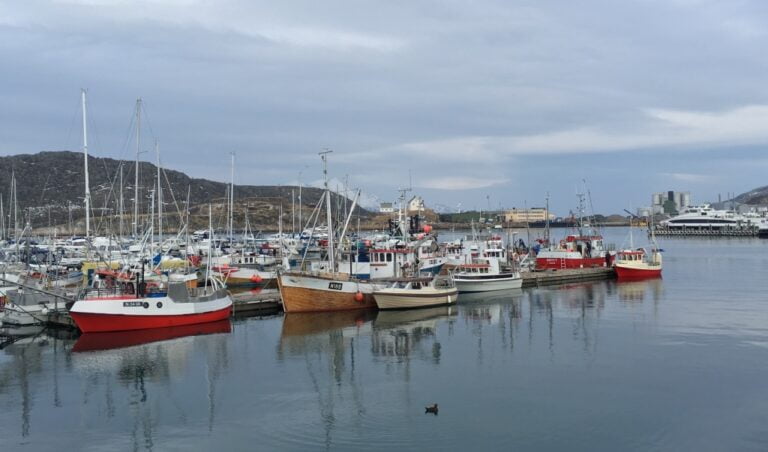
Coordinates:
[758,196]
[50,189]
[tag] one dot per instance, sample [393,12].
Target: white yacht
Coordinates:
[705,217]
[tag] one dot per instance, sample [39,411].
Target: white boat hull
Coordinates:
[406,299]
[470,284]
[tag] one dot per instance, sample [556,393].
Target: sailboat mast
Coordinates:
[159,199]
[121,206]
[2,219]
[136,180]
[331,250]
[85,158]
[231,197]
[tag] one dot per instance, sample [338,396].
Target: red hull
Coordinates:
[633,273]
[120,339]
[544,263]
[93,323]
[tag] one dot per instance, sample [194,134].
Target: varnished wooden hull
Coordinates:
[304,293]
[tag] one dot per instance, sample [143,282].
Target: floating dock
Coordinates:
[553,277]
[247,303]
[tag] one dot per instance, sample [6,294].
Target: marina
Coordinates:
[577,354]
[375,226]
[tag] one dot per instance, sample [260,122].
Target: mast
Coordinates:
[159,199]
[136,180]
[546,229]
[331,250]
[231,197]
[121,206]
[2,219]
[85,158]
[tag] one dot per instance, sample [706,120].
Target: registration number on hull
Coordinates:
[335,285]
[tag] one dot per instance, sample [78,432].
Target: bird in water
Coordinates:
[431,409]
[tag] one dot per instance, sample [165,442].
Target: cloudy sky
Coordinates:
[484,102]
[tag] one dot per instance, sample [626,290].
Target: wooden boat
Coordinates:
[416,293]
[305,292]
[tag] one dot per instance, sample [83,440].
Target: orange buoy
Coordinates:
[256,279]
[427,228]
[359,297]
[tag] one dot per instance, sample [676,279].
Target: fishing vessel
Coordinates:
[485,277]
[639,263]
[583,249]
[329,290]
[416,293]
[490,271]
[134,305]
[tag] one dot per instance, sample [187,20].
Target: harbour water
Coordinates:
[671,364]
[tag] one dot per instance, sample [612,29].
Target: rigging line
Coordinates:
[128,135]
[170,188]
[146,120]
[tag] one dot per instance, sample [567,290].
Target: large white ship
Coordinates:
[704,217]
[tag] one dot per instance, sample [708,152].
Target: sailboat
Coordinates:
[329,290]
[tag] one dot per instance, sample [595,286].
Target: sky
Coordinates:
[474,104]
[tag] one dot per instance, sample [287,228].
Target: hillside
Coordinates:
[758,196]
[50,187]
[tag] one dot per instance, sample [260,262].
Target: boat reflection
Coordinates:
[486,307]
[30,365]
[119,339]
[400,334]
[635,291]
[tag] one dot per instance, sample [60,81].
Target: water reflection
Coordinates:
[119,339]
[24,362]
[401,334]
[637,291]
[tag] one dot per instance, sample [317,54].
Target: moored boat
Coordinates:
[128,306]
[638,264]
[304,292]
[416,293]
[484,277]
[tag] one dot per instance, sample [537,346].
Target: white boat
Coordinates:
[416,293]
[704,217]
[481,278]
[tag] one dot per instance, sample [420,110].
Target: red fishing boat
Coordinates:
[583,249]
[121,304]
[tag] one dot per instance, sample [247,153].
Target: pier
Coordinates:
[706,232]
[554,277]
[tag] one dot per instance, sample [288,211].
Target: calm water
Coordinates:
[672,364]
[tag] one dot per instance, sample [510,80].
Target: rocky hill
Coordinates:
[758,196]
[50,187]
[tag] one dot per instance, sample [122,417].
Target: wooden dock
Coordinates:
[554,277]
[247,303]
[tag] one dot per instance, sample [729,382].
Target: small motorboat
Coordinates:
[416,293]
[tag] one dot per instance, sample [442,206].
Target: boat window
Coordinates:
[389,257]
